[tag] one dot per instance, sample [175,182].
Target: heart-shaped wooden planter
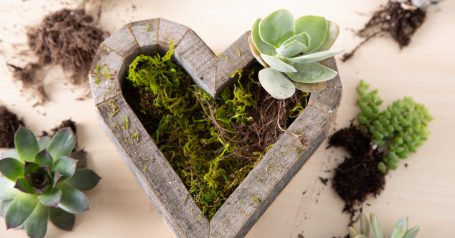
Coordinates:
[158,179]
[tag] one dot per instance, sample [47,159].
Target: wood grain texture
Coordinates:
[162,185]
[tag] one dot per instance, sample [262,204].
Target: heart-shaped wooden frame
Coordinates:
[158,179]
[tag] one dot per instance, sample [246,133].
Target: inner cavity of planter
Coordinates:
[212,144]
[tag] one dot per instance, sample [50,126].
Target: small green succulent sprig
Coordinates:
[41,179]
[400,229]
[399,129]
[289,50]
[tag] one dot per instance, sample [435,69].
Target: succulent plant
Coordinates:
[289,50]
[41,179]
[399,129]
[400,229]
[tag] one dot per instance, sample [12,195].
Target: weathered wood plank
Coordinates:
[151,168]
[146,34]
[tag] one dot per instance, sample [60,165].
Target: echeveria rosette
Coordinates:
[291,49]
[41,179]
[399,230]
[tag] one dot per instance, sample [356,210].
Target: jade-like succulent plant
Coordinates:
[290,49]
[41,179]
[400,229]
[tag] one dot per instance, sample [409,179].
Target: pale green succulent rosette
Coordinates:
[399,230]
[42,179]
[291,49]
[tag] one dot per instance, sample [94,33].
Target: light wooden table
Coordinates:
[425,191]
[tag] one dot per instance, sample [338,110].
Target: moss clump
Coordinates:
[212,144]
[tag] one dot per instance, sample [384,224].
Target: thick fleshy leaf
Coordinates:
[20,209]
[331,37]
[11,153]
[277,27]
[364,225]
[301,37]
[26,144]
[11,168]
[84,179]
[66,166]
[315,57]
[44,158]
[4,205]
[310,87]
[276,84]
[376,227]
[81,157]
[43,142]
[62,144]
[73,200]
[56,178]
[312,73]
[400,228]
[51,198]
[7,190]
[23,186]
[278,64]
[36,224]
[316,27]
[412,233]
[62,219]
[30,167]
[260,45]
[292,48]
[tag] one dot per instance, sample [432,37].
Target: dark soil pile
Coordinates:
[212,144]
[68,38]
[9,123]
[395,19]
[66,123]
[358,176]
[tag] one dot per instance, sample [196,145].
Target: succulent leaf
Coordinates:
[277,27]
[7,190]
[66,166]
[310,87]
[332,35]
[36,224]
[23,186]
[312,73]
[412,233]
[260,45]
[364,225]
[73,200]
[278,64]
[20,209]
[315,57]
[276,84]
[43,142]
[62,144]
[81,157]
[4,205]
[317,28]
[376,227]
[26,144]
[62,219]
[51,198]
[11,168]
[84,179]
[292,48]
[44,158]
[400,228]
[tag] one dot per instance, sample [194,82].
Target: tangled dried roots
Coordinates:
[68,38]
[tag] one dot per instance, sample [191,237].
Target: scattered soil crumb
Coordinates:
[31,77]
[399,20]
[324,180]
[304,192]
[406,165]
[9,123]
[300,236]
[358,176]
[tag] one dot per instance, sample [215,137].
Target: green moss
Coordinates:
[200,136]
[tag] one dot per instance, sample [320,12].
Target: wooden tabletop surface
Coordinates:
[424,191]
